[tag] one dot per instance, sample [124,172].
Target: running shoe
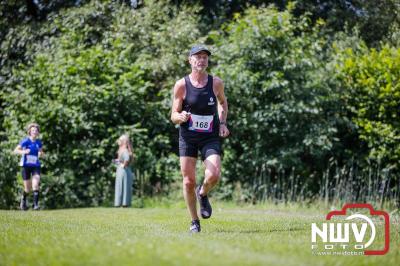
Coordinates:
[205,206]
[195,226]
[23,206]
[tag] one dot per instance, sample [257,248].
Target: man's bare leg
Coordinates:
[188,169]
[212,173]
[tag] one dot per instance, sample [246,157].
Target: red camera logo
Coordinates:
[335,238]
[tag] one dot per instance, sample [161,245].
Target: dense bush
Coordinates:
[277,82]
[371,89]
[311,115]
[104,74]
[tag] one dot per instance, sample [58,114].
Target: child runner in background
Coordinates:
[31,150]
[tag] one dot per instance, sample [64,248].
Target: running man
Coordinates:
[31,149]
[200,108]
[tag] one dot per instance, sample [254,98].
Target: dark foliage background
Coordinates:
[312,87]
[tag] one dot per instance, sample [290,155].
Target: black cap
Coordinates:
[197,49]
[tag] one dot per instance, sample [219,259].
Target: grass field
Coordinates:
[262,235]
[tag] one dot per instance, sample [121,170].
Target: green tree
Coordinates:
[278,90]
[108,71]
[370,81]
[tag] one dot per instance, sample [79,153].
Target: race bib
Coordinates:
[31,159]
[201,123]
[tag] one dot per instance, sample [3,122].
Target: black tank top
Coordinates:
[202,104]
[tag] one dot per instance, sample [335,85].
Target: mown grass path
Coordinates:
[159,236]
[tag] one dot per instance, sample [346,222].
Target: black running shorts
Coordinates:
[28,172]
[207,146]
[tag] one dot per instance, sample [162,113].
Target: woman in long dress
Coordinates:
[124,175]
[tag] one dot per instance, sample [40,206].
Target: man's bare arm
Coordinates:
[222,101]
[177,116]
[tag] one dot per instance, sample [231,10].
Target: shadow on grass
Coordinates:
[259,230]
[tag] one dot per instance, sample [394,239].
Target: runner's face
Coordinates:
[33,132]
[199,61]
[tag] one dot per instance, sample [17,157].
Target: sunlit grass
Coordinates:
[261,235]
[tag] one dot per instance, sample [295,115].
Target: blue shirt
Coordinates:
[31,159]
